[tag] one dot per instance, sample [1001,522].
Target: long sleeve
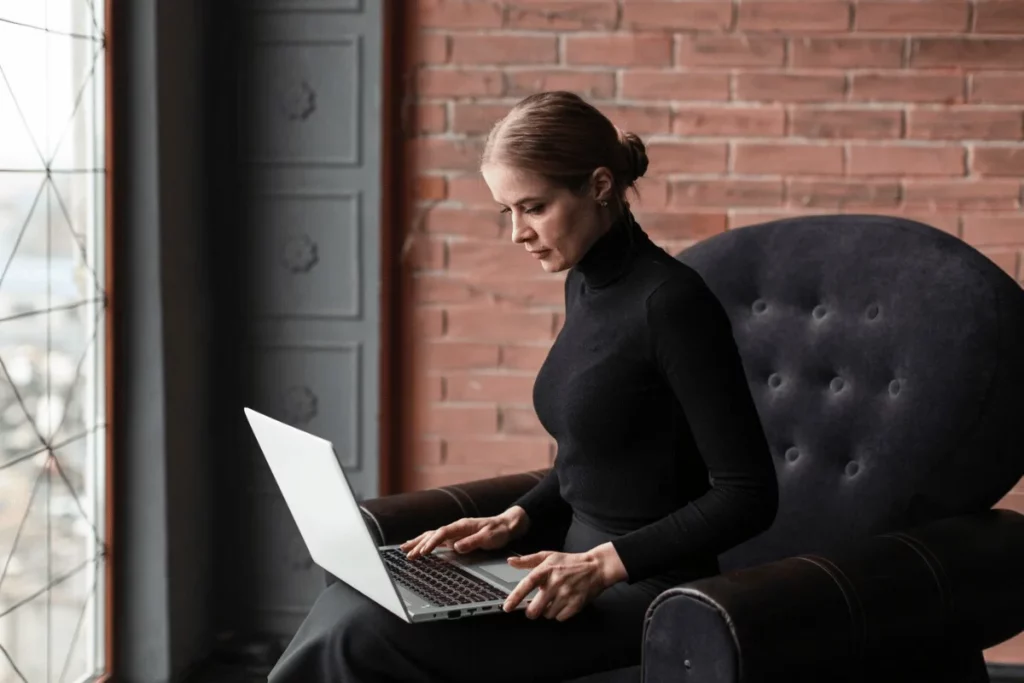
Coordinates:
[543,502]
[691,343]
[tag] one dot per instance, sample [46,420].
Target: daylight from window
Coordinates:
[52,346]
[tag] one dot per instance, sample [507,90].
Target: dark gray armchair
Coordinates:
[886,359]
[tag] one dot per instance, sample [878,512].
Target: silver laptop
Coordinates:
[441,585]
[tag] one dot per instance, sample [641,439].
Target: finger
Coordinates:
[471,541]
[555,606]
[434,539]
[421,548]
[531,560]
[523,588]
[540,603]
[412,541]
[569,610]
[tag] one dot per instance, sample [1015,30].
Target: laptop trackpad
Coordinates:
[501,570]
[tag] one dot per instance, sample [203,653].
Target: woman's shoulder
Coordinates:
[671,283]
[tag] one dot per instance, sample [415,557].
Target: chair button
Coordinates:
[837,384]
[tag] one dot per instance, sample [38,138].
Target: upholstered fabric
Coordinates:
[885,360]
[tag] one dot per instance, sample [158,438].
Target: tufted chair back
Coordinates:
[886,360]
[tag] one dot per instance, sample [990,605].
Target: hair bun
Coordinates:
[636,154]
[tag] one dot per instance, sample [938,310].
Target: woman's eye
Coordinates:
[505,210]
[535,209]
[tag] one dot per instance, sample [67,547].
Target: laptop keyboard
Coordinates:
[443,583]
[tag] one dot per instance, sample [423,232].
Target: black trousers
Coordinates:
[348,638]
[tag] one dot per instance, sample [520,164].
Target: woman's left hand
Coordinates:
[567,581]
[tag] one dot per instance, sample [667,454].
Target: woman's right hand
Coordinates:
[469,533]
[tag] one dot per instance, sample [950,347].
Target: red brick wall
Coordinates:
[752,110]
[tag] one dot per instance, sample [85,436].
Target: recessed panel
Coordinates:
[304,102]
[307,262]
[316,389]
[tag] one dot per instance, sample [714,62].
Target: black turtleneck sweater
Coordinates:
[645,394]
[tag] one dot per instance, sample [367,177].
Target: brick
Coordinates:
[446,154]
[962,194]
[491,258]
[459,83]
[588,84]
[675,16]
[638,49]
[428,323]
[447,419]
[504,49]
[742,219]
[847,52]
[491,388]
[681,226]
[793,16]
[430,187]
[1009,261]
[528,358]
[653,194]
[999,16]
[427,254]
[897,160]
[457,14]
[845,123]
[732,192]
[944,220]
[773,87]
[480,223]
[967,53]
[560,16]
[475,119]
[673,85]
[522,454]
[1014,500]
[426,389]
[425,477]
[528,290]
[640,120]
[471,190]
[730,50]
[997,88]
[428,450]
[934,16]
[911,87]
[430,48]
[998,161]
[488,324]
[964,124]
[784,159]
[431,118]
[445,355]
[993,230]
[440,288]
[729,121]
[521,421]
[695,157]
[840,193]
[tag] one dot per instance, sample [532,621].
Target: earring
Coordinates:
[604,202]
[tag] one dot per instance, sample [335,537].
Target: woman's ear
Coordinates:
[602,184]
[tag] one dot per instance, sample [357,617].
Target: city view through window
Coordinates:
[52,346]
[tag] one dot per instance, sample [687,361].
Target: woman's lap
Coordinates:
[348,637]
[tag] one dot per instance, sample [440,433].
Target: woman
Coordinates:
[662,462]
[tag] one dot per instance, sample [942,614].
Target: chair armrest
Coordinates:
[401,516]
[955,584]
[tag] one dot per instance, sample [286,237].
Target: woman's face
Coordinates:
[555,225]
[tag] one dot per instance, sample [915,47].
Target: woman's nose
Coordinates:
[519,231]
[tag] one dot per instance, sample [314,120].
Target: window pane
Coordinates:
[52,318]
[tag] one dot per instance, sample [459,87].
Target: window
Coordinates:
[52,345]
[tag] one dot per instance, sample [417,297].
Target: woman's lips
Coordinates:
[540,253]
